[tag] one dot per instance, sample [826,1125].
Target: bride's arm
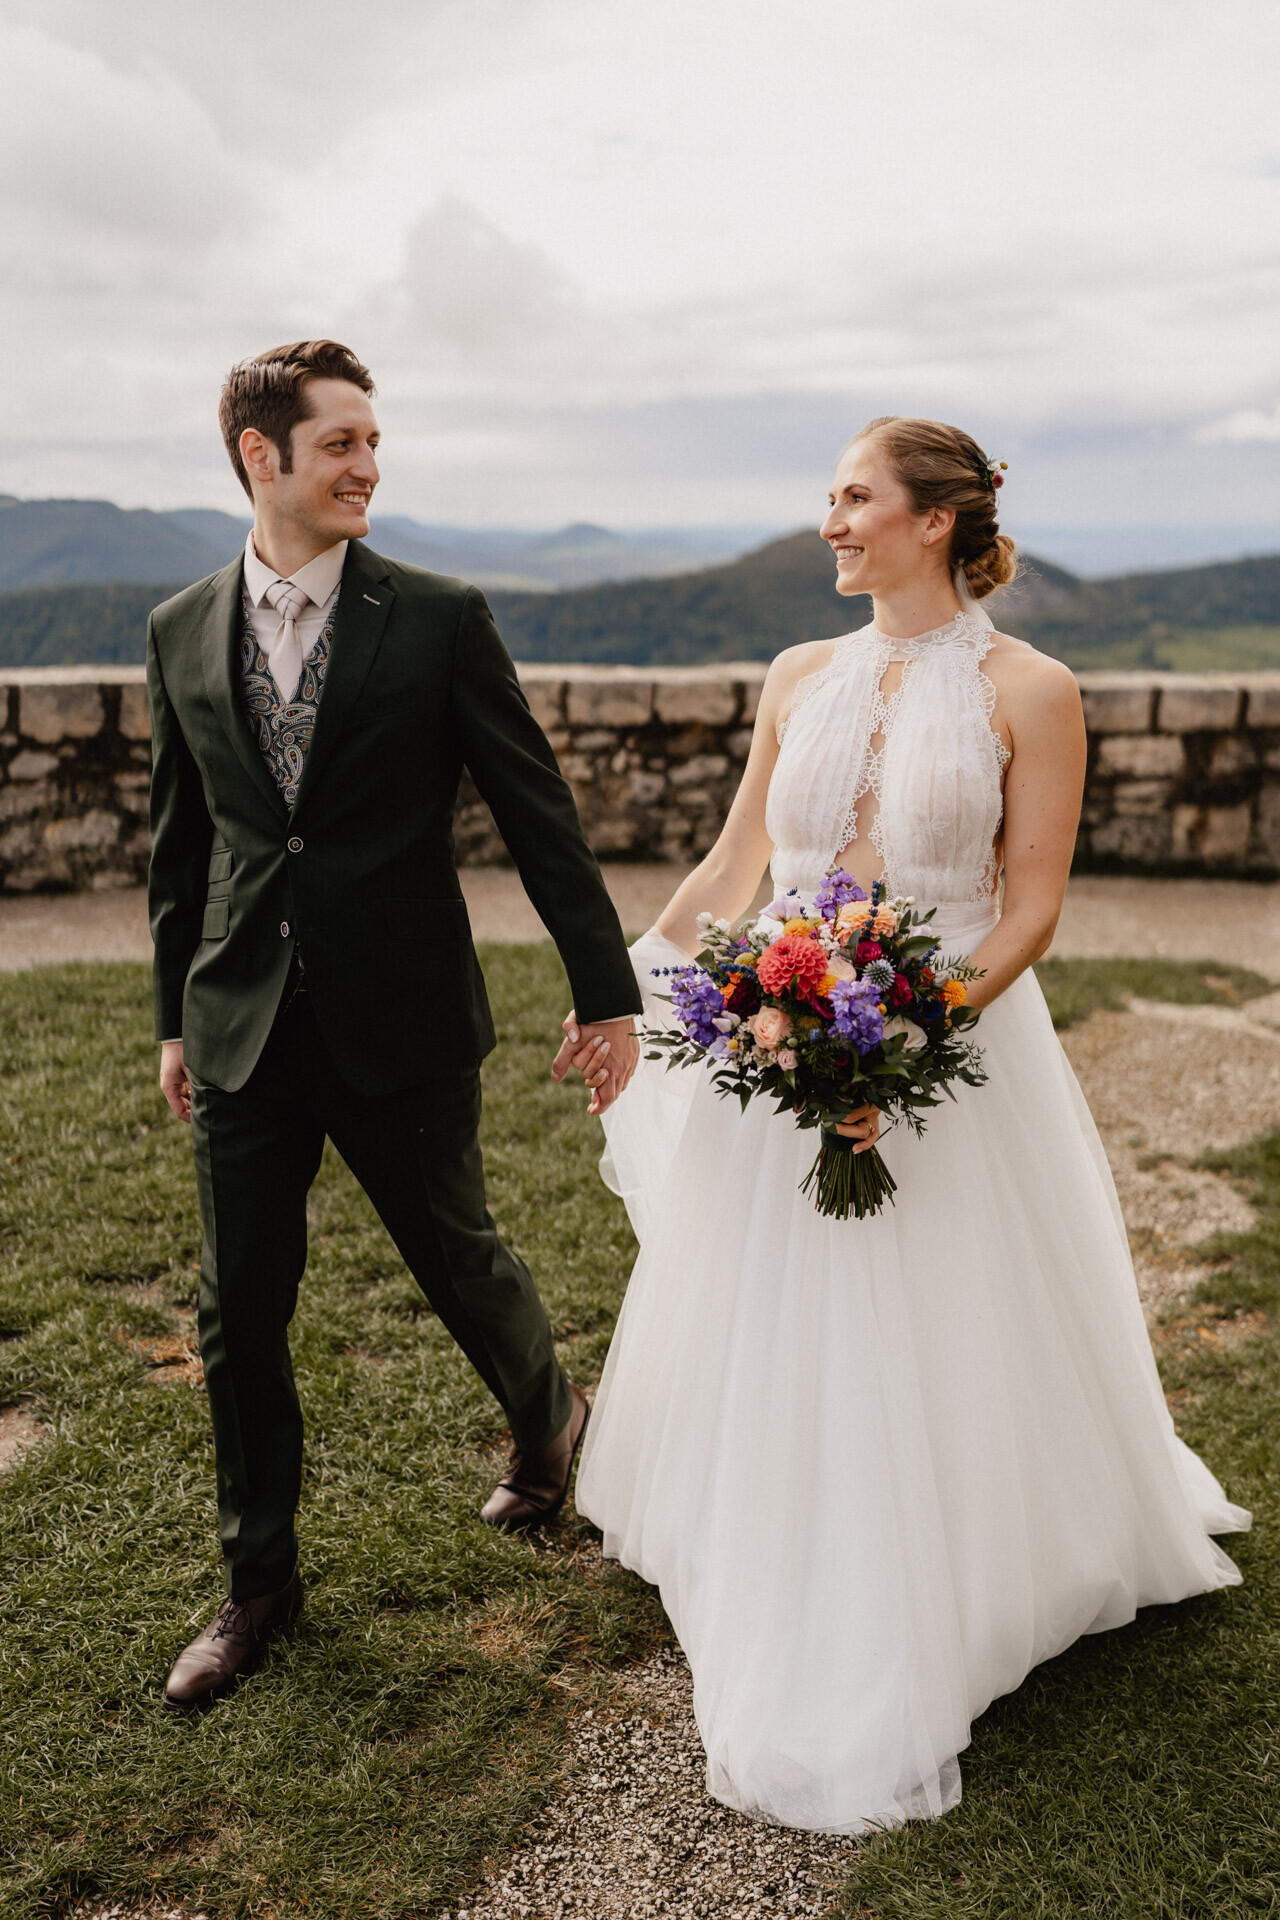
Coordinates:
[1044,786]
[724,883]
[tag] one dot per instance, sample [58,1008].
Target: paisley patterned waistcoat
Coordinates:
[282,729]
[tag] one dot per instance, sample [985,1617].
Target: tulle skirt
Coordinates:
[880,1469]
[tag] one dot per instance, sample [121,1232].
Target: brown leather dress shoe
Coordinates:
[531,1492]
[230,1646]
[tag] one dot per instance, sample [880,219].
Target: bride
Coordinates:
[880,1469]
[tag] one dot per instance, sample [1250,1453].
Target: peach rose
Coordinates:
[769,1028]
[838,968]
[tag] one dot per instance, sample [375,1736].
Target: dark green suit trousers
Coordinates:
[417,1156]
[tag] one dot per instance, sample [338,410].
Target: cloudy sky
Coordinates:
[651,261]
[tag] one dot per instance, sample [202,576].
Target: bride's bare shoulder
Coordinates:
[796,663]
[786,671]
[1029,682]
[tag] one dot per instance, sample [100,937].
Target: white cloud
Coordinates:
[1248,423]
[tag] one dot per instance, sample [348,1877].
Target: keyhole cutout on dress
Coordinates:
[863,855]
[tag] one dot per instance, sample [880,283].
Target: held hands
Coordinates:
[606,1054]
[175,1082]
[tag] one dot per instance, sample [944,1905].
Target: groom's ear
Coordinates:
[261,456]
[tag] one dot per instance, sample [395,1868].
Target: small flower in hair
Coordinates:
[995,470]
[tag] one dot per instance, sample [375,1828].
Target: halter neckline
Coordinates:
[955,629]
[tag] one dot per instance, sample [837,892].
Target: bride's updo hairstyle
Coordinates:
[941,466]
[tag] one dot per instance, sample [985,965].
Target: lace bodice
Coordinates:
[908,761]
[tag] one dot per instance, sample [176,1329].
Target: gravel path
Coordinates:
[635,1835]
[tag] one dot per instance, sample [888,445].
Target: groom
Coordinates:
[312,708]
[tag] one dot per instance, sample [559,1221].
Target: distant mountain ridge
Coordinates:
[1225,615]
[50,543]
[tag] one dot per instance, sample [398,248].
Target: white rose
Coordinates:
[916,1036]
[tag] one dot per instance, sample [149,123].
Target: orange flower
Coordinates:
[954,992]
[852,918]
[798,925]
[886,921]
[826,983]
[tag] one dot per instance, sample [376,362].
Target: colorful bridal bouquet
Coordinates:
[823,1007]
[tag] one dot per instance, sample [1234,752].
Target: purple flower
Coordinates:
[698,1003]
[838,888]
[856,1007]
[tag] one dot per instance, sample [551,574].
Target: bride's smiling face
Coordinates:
[880,542]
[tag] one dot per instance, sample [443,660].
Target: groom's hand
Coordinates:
[606,1054]
[175,1082]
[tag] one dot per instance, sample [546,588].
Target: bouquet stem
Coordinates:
[844,1182]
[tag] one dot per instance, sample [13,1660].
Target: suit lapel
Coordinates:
[365,600]
[220,645]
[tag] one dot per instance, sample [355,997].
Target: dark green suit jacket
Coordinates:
[362,874]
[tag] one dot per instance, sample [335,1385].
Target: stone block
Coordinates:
[1266,826]
[1144,756]
[49,714]
[596,740]
[1141,796]
[30,765]
[132,782]
[1116,702]
[1232,756]
[1142,838]
[646,789]
[609,703]
[739,742]
[135,714]
[703,699]
[1212,835]
[112,880]
[17,802]
[579,768]
[1197,703]
[702,766]
[86,833]
[1262,700]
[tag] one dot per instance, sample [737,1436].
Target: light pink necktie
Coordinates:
[284,649]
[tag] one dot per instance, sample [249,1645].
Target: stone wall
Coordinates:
[1184,769]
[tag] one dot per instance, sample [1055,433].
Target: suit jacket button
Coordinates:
[284,929]
[295,845]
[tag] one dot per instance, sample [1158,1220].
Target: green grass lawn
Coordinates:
[416,1720]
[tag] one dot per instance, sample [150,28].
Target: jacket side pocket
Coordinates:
[217,920]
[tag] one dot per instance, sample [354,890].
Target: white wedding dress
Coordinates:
[880,1469]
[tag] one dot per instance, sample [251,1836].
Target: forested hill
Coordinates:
[1192,618]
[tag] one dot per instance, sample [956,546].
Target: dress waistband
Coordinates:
[961,925]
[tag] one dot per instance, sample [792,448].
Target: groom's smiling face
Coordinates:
[322,487]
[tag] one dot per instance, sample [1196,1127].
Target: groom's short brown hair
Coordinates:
[270,393]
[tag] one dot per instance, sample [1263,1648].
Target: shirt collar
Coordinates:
[318,579]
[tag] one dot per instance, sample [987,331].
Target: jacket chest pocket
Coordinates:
[217,920]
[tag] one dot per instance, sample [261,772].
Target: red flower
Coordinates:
[792,956]
[869,950]
[742,995]
[899,992]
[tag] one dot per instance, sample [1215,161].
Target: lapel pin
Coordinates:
[372,602]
